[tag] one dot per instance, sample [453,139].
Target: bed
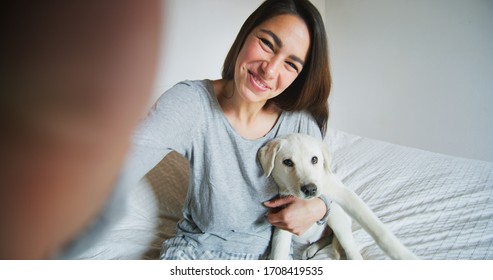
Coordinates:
[440,206]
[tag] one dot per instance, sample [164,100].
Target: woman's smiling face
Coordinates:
[271,58]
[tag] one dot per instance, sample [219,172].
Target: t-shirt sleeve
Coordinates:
[170,125]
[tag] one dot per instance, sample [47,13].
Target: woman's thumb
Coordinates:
[279,202]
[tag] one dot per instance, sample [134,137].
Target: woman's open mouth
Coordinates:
[257,81]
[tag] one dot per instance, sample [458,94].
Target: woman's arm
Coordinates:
[170,125]
[160,132]
[78,77]
[294,214]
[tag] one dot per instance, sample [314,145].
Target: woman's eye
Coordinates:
[314,160]
[293,66]
[288,162]
[267,43]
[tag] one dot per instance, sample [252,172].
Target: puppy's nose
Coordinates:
[309,190]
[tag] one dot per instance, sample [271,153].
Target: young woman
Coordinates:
[275,81]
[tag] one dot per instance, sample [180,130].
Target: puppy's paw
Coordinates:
[320,251]
[310,252]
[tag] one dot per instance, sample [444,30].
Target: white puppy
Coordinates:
[300,165]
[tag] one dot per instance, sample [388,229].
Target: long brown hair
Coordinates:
[310,90]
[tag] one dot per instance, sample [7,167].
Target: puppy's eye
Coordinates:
[314,160]
[288,162]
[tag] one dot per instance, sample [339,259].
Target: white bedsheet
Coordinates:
[440,206]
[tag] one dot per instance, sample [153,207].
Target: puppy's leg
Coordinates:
[338,251]
[281,245]
[340,223]
[358,210]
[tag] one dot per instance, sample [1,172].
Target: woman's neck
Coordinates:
[233,103]
[251,120]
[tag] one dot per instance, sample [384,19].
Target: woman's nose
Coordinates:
[271,67]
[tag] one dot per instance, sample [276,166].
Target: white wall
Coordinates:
[417,73]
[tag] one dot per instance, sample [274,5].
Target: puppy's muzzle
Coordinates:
[309,190]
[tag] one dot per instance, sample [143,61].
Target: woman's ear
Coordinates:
[267,155]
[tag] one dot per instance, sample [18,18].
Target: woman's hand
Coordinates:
[294,214]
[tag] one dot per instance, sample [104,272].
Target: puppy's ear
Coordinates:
[327,157]
[267,155]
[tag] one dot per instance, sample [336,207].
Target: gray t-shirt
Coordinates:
[223,209]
